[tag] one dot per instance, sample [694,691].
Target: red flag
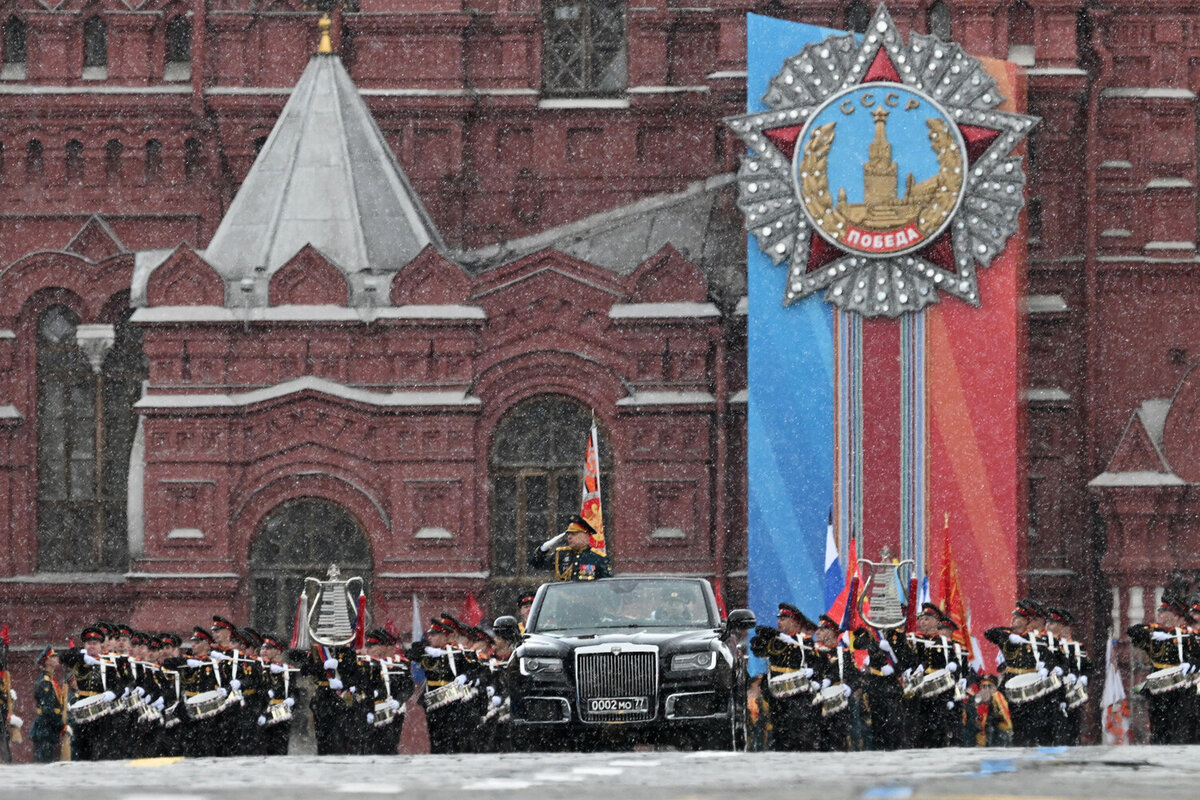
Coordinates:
[472,613]
[954,602]
[843,609]
[4,636]
[720,597]
[590,509]
[914,600]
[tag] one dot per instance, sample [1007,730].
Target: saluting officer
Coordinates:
[577,560]
[789,651]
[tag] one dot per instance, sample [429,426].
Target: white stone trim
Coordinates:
[743,306]
[1147,93]
[725,74]
[1045,304]
[1116,164]
[1116,233]
[7,334]
[700,89]
[584,102]
[182,576]
[1139,478]
[1046,394]
[291,313]
[308,383]
[10,412]
[1067,71]
[666,398]
[1169,183]
[663,311]
[432,575]
[740,396]
[186,533]
[433,533]
[1169,246]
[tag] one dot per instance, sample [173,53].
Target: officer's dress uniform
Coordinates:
[394,684]
[1024,654]
[882,691]
[836,670]
[570,564]
[1077,667]
[200,738]
[93,741]
[277,687]
[449,727]
[49,697]
[793,718]
[939,716]
[1170,711]
[241,719]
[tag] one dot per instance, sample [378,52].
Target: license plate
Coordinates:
[617,705]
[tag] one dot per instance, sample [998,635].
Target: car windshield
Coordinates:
[614,603]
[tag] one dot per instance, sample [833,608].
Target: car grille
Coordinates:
[617,675]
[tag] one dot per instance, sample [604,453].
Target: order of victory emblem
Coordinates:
[883,172]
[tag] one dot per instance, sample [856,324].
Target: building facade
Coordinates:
[568,248]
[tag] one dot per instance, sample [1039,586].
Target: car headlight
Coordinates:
[538,665]
[693,661]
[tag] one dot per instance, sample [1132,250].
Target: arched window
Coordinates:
[858,17]
[34,160]
[1021,34]
[193,159]
[937,20]
[536,471]
[74,161]
[85,427]
[179,49]
[95,49]
[583,47]
[154,161]
[299,539]
[114,154]
[14,49]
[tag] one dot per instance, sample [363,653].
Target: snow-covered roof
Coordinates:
[325,177]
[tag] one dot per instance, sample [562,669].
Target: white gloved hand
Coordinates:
[160,703]
[12,695]
[497,702]
[1057,671]
[330,663]
[806,672]
[223,691]
[393,704]
[1186,667]
[353,690]
[826,683]
[1014,638]
[15,722]
[491,691]
[950,704]
[109,697]
[289,701]
[1160,636]
[370,716]
[140,691]
[125,691]
[194,663]
[271,693]
[1043,672]
[952,666]
[919,669]
[814,687]
[846,690]
[335,684]
[461,680]
[552,543]
[1083,680]
[70,731]
[216,655]
[1062,707]
[1070,678]
[277,668]
[962,684]
[887,669]
[261,720]
[91,662]
[235,684]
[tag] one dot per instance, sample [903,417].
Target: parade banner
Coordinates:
[882,190]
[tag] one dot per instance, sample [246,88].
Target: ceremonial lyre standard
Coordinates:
[331,608]
[882,586]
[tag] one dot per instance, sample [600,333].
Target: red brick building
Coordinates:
[196,409]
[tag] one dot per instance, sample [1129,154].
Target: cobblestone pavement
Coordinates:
[1105,773]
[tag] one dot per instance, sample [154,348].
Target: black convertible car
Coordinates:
[637,658]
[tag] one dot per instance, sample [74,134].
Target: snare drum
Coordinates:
[445,695]
[787,684]
[384,714]
[832,699]
[205,704]
[277,713]
[936,682]
[1076,695]
[1167,680]
[90,709]
[1029,686]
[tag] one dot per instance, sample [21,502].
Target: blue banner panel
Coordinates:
[791,413]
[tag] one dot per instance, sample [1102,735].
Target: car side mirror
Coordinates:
[508,628]
[740,619]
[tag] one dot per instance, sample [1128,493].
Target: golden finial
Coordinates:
[326,46]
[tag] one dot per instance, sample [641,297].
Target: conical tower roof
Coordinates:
[325,177]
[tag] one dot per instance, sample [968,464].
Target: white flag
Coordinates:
[418,630]
[1114,703]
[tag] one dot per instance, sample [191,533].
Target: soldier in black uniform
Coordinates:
[171,701]
[1076,669]
[335,673]
[199,674]
[442,663]
[277,688]
[1026,651]
[523,607]
[789,650]
[92,675]
[836,670]
[577,560]
[881,690]
[50,699]
[929,656]
[1168,644]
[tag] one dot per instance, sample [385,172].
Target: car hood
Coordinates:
[667,640]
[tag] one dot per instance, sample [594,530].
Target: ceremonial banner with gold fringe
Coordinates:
[590,508]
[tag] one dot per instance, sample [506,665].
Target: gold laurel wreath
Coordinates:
[814,179]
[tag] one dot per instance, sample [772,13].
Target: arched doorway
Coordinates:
[536,471]
[301,538]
